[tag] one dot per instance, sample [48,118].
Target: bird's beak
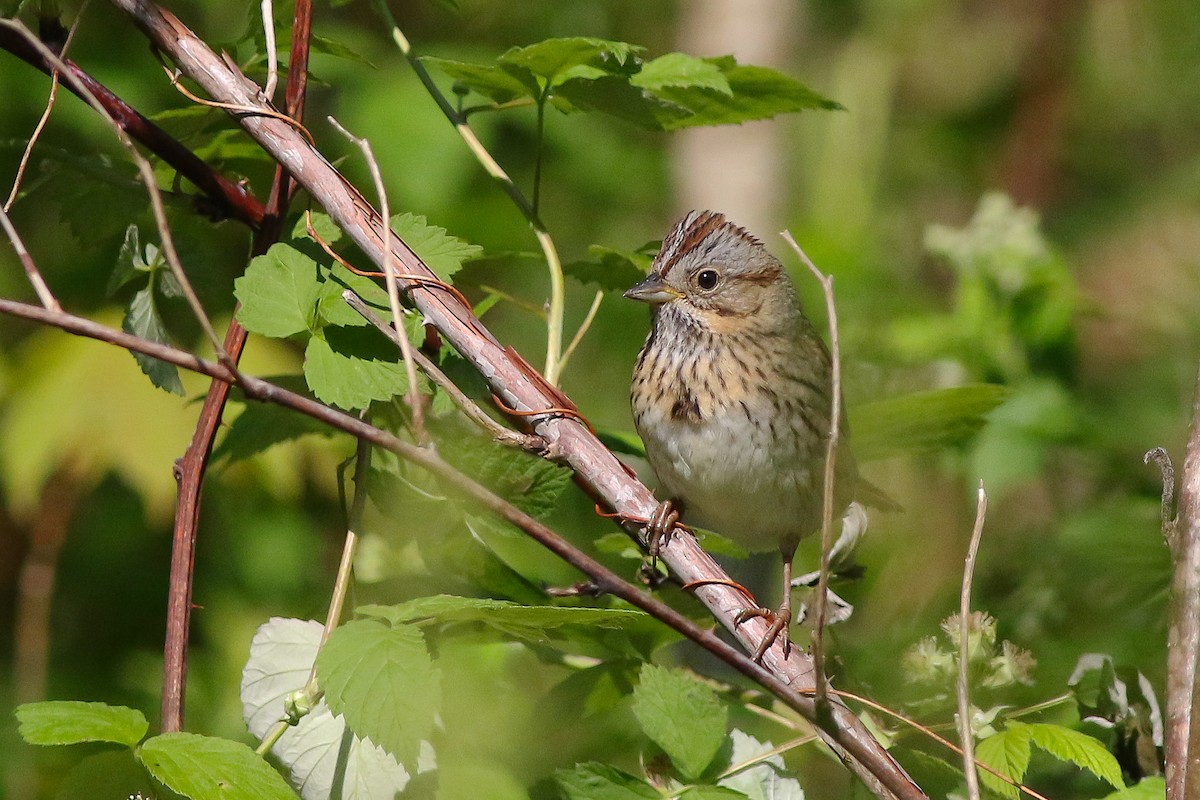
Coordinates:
[653,291]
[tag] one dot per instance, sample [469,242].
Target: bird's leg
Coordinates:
[659,528]
[779,620]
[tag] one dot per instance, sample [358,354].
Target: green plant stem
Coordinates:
[538,148]
[583,329]
[1045,705]
[557,299]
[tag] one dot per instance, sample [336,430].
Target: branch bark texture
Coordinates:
[568,440]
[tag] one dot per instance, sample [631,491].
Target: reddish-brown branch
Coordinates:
[573,442]
[191,468]
[226,197]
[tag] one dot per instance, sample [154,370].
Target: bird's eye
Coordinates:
[707,279]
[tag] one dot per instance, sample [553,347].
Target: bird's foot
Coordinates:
[659,528]
[777,628]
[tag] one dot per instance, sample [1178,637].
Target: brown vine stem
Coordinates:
[835,415]
[190,469]
[965,733]
[518,387]
[606,580]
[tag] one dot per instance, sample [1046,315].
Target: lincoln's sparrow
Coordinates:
[731,395]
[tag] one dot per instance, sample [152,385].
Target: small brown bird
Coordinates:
[732,396]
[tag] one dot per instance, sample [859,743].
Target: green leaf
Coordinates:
[757,93]
[1007,752]
[551,57]
[923,421]
[530,483]
[206,768]
[500,83]
[384,683]
[322,223]
[767,779]
[594,781]
[1076,748]
[352,367]
[279,293]
[143,319]
[130,264]
[1147,789]
[261,426]
[111,775]
[333,308]
[524,622]
[712,793]
[57,722]
[683,717]
[440,251]
[613,270]
[332,47]
[615,96]
[681,71]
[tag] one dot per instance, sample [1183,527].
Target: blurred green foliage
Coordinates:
[1009,199]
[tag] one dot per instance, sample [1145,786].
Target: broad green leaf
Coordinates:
[331,47]
[130,263]
[551,57]
[615,96]
[332,307]
[57,722]
[681,715]
[923,421]
[517,621]
[261,426]
[712,793]
[767,779]
[279,293]
[500,83]
[322,223]
[440,251]
[207,768]
[1008,753]
[594,781]
[281,656]
[143,319]
[382,680]
[613,270]
[1147,789]
[681,71]
[1076,748]
[530,483]
[111,775]
[757,93]
[352,367]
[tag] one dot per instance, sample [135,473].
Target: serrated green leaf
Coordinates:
[551,57]
[333,308]
[261,426]
[613,270]
[923,421]
[352,367]
[530,483]
[332,47]
[130,264]
[322,223]
[530,623]
[441,252]
[501,83]
[616,96]
[112,775]
[383,681]
[279,293]
[712,793]
[767,779]
[142,319]
[1076,748]
[1147,789]
[594,781]
[757,93]
[206,768]
[682,716]
[681,71]
[1008,753]
[59,722]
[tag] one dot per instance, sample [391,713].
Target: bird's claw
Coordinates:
[659,528]
[777,627]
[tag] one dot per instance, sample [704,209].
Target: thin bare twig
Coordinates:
[268,21]
[526,441]
[835,415]
[583,329]
[557,301]
[393,288]
[1167,507]
[965,733]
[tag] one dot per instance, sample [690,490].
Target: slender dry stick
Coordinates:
[517,386]
[31,269]
[1183,637]
[393,288]
[835,415]
[557,300]
[191,468]
[583,329]
[146,172]
[268,21]
[526,441]
[965,734]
